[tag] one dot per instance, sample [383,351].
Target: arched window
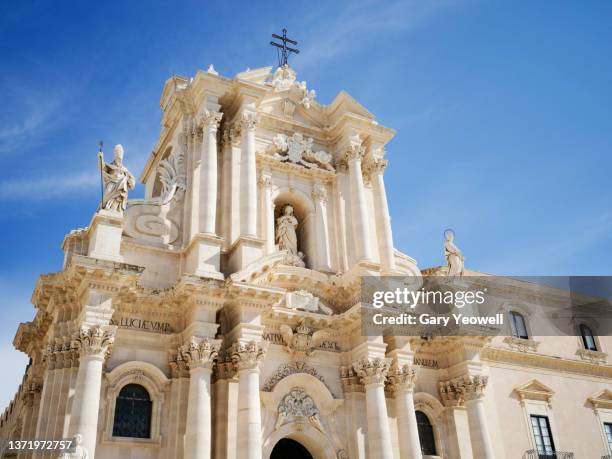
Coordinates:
[133,412]
[517,324]
[587,337]
[426,434]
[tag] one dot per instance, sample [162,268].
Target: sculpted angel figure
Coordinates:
[286,237]
[454,258]
[117,181]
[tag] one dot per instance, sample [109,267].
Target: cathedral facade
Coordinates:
[219,317]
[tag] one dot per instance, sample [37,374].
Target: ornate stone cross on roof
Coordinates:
[283,55]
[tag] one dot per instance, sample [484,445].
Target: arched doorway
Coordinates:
[287,448]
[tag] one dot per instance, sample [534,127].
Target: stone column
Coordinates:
[246,358]
[208,173]
[381,214]
[94,345]
[268,212]
[373,373]
[471,389]
[200,356]
[402,381]
[359,213]
[319,196]
[248,201]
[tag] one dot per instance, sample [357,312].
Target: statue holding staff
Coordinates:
[117,181]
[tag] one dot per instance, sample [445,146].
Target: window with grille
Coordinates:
[588,340]
[426,434]
[608,430]
[543,437]
[517,323]
[133,412]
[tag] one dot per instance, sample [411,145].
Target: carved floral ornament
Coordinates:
[199,353]
[247,356]
[95,341]
[289,369]
[372,371]
[466,388]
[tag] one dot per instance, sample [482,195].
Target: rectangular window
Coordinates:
[608,429]
[543,437]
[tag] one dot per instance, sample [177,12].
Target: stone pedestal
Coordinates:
[94,345]
[203,256]
[246,359]
[373,373]
[245,251]
[105,232]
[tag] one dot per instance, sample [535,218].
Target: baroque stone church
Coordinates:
[219,316]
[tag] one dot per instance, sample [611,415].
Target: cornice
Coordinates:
[498,355]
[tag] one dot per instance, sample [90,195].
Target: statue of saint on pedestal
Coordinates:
[117,181]
[454,259]
[286,225]
[79,451]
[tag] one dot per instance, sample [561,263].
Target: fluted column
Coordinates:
[402,381]
[200,356]
[381,213]
[373,374]
[359,213]
[319,196]
[208,172]
[248,201]
[268,212]
[94,344]
[246,359]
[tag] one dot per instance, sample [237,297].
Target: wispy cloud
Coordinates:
[360,22]
[35,113]
[42,187]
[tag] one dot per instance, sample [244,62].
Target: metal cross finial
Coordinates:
[284,49]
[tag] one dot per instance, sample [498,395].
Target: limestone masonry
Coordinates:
[219,316]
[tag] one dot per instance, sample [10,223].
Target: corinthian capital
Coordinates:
[95,341]
[319,194]
[472,386]
[199,353]
[211,119]
[354,152]
[248,121]
[402,378]
[247,355]
[372,371]
[377,166]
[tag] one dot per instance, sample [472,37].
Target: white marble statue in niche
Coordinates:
[454,258]
[117,181]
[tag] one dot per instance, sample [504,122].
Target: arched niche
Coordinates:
[321,443]
[303,210]
[146,375]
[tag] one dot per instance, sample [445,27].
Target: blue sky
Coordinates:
[503,112]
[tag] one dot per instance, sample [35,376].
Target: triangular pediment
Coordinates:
[534,390]
[602,399]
